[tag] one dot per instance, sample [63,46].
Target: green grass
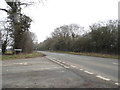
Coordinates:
[22,56]
[90,54]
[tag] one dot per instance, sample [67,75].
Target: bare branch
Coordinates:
[4,10]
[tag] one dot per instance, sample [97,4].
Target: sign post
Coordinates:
[17,50]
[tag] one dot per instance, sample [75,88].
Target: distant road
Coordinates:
[105,67]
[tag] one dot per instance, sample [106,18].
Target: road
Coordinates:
[101,66]
[37,73]
[59,71]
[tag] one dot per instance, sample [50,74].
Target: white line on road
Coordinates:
[66,67]
[25,63]
[115,63]
[58,60]
[81,69]
[50,68]
[88,72]
[54,58]
[73,66]
[103,78]
[117,84]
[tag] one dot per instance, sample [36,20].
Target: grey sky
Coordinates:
[55,13]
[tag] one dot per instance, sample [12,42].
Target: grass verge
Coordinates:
[22,56]
[89,54]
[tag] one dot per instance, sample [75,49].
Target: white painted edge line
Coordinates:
[63,62]
[88,72]
[115,63]
[62,65]
[103,78]
[73,66]
[53,58]
[49,68]
[25,63]
[66,67]
[81,69]
[58,62]
[117,84]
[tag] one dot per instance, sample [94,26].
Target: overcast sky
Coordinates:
[55,13]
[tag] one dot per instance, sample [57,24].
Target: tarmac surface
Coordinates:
[48,72]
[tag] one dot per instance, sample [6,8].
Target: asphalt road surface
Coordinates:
[105,67]
[60,71]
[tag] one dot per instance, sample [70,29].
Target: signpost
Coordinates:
[17,50]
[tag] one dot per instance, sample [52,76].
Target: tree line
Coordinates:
[102,37]
[15,30]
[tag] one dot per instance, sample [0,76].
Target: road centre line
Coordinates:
[88,72]
[103,78]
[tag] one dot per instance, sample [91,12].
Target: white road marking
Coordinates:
[88,72]
[61,64]
[58,60]
[50,68]
[103,78]
[20,63]
[73,66]
[25,63]
[115,63]
[54,58]
[56,67]
[81,69]
[66,67]
[117,84]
